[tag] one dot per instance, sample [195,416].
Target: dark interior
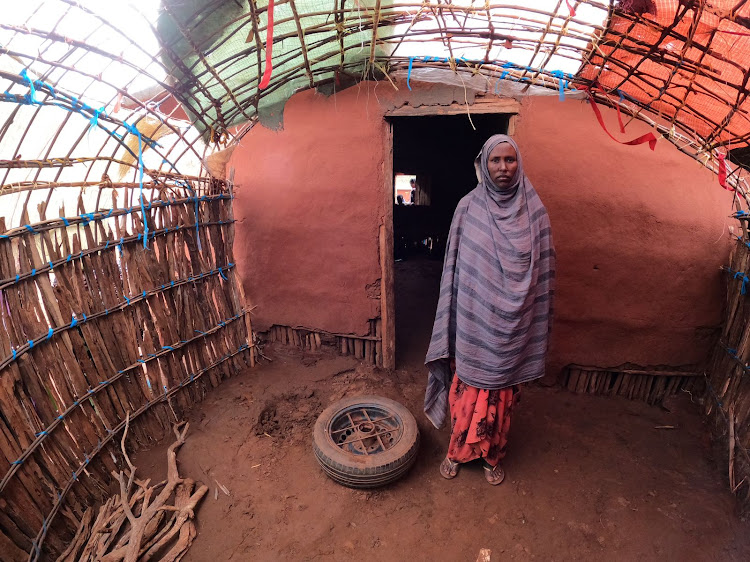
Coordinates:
[440,151]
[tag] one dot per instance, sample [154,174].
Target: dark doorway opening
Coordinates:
[438,153]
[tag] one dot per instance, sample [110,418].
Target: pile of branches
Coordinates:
[144,522]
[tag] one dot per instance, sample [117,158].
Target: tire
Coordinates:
[387,458]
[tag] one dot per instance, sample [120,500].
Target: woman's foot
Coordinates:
[448,468]
[494,474]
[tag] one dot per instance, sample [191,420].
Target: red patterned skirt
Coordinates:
[480,422]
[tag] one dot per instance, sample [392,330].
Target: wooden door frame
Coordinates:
[387,284]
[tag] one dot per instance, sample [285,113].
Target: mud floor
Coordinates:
[588,478]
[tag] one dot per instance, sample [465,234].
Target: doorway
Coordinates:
[433,168]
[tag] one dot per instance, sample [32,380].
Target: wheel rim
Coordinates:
[365,429]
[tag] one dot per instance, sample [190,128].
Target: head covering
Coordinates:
[482,170]
[494,310]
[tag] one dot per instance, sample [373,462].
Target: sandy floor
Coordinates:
[589,478]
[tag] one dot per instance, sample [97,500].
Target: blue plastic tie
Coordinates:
[562,82]
[49,334]
[95,118]
[73,322]
[65,221]
[197,229]
[504,73]
[18,277]
[133,130]
[14,353]
[31,344]
[51,266]
[32,91]
[745,279]
[29,228]
[408,74]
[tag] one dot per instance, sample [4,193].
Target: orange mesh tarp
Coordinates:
[688,63]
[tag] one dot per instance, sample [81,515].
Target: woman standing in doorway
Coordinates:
[494,311]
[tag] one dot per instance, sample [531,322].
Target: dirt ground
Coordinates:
[588,478]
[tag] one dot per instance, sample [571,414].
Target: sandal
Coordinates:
[494,474]
[448,468]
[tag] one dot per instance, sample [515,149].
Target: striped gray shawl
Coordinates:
[495,307]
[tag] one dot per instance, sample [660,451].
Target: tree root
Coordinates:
[144,522]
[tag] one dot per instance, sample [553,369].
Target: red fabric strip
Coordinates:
[619,119]
[723,173]
[571,8]
[648,137]
[269,49]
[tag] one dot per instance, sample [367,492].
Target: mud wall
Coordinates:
[310,201]
[640,235]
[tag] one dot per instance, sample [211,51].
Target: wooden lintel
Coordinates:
[480,105]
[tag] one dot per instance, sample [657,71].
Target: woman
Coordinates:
[494,312]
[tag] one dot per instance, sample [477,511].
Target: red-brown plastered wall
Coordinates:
[309,205]
[640,235]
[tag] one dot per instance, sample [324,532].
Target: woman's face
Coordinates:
[502,164]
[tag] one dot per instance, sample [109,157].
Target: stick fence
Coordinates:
[131,310]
